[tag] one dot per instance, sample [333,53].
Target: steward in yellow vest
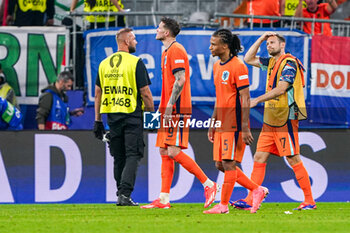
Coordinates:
[102,6]
[31,13]
[121,90]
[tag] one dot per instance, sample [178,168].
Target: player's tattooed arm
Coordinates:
[178,86]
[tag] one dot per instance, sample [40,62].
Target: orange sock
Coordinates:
[191,166]
[243,180]
[304,181]
[167,173]
[227,187]
[257,176]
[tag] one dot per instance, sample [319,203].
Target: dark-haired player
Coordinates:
[175,106]
[284,107]
[232,107]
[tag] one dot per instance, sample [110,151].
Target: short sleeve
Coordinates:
[142,78]
[98,82]
[241,76]
[289,72]
[264,62]
[177,59]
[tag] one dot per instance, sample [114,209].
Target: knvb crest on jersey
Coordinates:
[225,75]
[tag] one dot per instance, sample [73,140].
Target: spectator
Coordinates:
[31,13]
[102,6]
[53,112]
[266,8]
[11,117]
[6,90]
[316,11]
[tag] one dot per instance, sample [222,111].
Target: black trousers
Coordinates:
[127,147]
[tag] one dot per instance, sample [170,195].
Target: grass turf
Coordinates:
[329,217]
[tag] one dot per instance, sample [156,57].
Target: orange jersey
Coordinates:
[175,59]
[229,78]
[321,13]
[263,7]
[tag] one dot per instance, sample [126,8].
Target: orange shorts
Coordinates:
[228,146]
[175,134]
[281,141]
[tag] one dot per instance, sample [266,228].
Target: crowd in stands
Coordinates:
[41,13]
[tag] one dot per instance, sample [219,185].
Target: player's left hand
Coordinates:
[247,137]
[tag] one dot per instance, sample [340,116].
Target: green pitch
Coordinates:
[329,217]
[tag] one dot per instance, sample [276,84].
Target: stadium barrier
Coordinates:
[74,167]
[340,27]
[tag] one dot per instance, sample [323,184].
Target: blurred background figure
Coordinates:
[53,112]
[10,116]
[102,6]
[31,13]
[316,11]
[6,91]
[267,8]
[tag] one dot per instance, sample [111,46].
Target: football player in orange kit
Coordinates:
[175,106]
[232,107]
[284,106]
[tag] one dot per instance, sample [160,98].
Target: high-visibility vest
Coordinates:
[291,6]
[117,75]
[291,104]
[101,6]
[37,5]
[4,92]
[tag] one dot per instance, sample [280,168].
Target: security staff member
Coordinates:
[31,13]
[102,6]
[121,91]
[6,91]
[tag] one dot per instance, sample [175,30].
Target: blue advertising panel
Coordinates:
[74,167]
[101,43]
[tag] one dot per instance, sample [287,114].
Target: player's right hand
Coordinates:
[99,130]
[211,133]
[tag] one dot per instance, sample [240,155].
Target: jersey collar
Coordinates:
[226,61]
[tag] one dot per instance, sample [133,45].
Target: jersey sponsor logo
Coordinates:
[179,61]
[225,75]
[242,77]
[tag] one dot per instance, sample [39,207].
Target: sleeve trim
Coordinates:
[177,70]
